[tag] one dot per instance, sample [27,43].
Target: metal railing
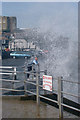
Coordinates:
[59,91]
[10,71]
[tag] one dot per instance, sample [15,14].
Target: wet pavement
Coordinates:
[14,107]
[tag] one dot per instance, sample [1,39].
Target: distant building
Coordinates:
[8,24]
[31,45]
[18,44]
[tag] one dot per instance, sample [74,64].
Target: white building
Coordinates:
[20,43]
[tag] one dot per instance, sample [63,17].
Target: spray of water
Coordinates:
[62,56]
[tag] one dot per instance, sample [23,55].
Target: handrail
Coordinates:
[6,73]
[30,82]
[70,107]
[70,94]
[10,80]
[48,99]
[10,89]
[67,81]
[34,83]
[30,92]
[6,70]
[71,81]
[6,67]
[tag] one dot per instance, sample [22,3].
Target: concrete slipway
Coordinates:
[14,107]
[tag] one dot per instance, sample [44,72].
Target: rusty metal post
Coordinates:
[60,97]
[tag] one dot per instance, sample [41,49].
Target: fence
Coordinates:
[38,75]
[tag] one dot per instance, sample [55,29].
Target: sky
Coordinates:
[60,17]
[32,14]
[40,0]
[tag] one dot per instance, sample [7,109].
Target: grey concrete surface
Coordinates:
[13,107]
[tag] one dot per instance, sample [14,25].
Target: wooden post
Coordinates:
[60,97]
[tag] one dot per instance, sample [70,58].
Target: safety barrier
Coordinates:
[60,80]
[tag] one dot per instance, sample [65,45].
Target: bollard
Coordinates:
[60,97]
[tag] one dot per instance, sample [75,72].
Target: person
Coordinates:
[35,61]
[6,49]
[29,67]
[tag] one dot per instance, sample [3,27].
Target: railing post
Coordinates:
[37,88]
[32,72]
[14,77]
[45,72]
[60,97]
[38,91]
[13,81]
[25,81]
[14,73]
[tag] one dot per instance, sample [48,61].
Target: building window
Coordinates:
[0,20]
[4,20]
[4,26]
[0,26]
[3,41]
